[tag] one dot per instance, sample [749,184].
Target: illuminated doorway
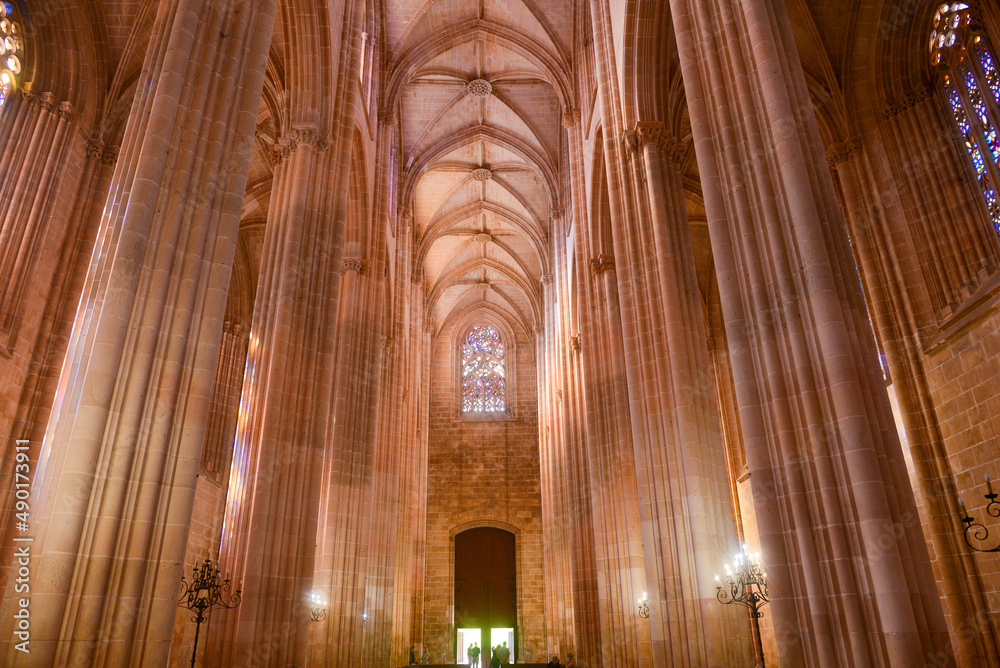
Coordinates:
[485,592]
[468,638]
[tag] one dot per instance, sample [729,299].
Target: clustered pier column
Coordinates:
[827,472]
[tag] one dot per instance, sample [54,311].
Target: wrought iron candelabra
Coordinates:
[204,592]
[746,585]
[975,530]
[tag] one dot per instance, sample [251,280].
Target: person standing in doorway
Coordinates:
[474,655]
[504,653]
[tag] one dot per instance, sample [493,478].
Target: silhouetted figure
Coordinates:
[413,655]
[474,655]
[504,653]
[495,658]
[554,663]
[570,660]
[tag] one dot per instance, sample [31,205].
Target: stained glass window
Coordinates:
[10,52]
[972,89]
[483,386]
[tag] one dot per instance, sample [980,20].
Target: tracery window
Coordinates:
[10,52]
[960,51]
[483,372]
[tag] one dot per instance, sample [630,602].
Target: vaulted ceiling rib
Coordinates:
[480,89]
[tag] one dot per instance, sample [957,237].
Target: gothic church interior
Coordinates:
[432,322]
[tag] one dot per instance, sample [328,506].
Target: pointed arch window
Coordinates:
[11,56]
[971,84]
[484,388]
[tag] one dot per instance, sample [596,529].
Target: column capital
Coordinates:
[300,136]
[906,100]
[602,263]
[47,101]
[670,147]
[841,152]
[387,117]
[66,110]
[354,264]
[571,118]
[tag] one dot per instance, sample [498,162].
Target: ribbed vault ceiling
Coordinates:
[481,162]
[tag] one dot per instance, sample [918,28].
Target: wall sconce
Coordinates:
[644,607]
[974,529]
[317,607]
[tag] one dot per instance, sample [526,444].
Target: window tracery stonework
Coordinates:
[11,52]
[483,371]
[970,83]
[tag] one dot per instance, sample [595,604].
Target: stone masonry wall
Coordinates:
[483,472]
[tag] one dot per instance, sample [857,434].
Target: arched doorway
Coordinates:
[485,591]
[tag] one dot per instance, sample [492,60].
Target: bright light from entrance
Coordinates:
[466,638]
[501,636]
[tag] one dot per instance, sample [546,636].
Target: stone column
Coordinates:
[217,454]
[893,315]
[114,488]
[37,140]
[30,377]
[272,515]
[689,529]
[348,530]
[829,481]
[572,272]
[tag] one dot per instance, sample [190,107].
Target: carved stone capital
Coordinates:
[546,279]
[385,343]
[907,100]
[354,264]
[110,155]
[95,149]
[574,344]
[303,136]
[571,118]
[47,101]
[233,328]
[602,263]
[387,117]
[66,111]
[672,149]
[841,152]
